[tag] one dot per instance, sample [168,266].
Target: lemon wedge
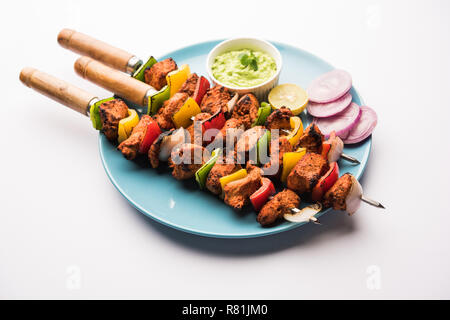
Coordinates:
[290,96]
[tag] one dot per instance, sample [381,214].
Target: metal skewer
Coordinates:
[312,219]
[372,202]
[350,158]
[343,155]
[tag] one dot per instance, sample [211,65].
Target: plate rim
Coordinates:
[268,231]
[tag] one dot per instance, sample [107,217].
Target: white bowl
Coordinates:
[260,91]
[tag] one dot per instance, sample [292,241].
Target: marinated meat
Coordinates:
[276,208]
[223,167]
[130,146]
[335,197]
[156,74]
[189,85]
[307,172]
[247,143]
[168,109]
[237,193]
[186,159]
[153,152]
[198,118]
[311,139]
[277,149]
[111,112]
[215,99]
[228,135]
[246,109]
[279,119]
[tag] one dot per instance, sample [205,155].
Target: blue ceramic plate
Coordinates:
[181,205]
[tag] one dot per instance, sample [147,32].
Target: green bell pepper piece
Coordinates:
[202,173]
[263,146]
[263,112]
[139,74]
[95,115]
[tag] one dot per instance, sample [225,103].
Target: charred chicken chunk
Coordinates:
[130,146]
[156,74]
[276,208]
[307,173]
[335,197]
[229,134]
[246,109]
[111,112]
[247,143]
[215,99]
[224,166]
[168,109]
[237,193]
[279,119]
[189,85]
[311,139]
[186,159]
[197,139]
[277,149]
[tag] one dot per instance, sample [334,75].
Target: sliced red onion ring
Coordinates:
[323,110]
[329,86]
[342,123]
[364,127]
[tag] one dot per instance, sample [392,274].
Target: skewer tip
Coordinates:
[350,158]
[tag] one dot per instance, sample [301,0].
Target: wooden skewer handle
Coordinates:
[112,80]
[87,46]
[56,89]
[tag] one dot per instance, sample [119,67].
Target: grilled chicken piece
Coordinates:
[237,193]
[277,149]
[156,74]
[215,99]
[279,119]
[168,109]
[276,208]
[228,135]
[130,146]
[186,159]
[335,197]
[198,118]
[111,112]
[246,145]
[307,173]
[189,85]
[224,166]
[246,109]
[311,139]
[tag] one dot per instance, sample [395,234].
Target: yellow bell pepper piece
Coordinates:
[296,130]
[240,174]
[290,159]
[182,118]
[176,78]
[127,124]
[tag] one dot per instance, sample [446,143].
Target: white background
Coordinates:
[65,232]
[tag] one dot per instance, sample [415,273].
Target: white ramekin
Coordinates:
[260,91]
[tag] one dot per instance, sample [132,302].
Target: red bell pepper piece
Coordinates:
[260,197]
[326,146]
[326,182]
[216,121]
[200,89]
[152,133]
